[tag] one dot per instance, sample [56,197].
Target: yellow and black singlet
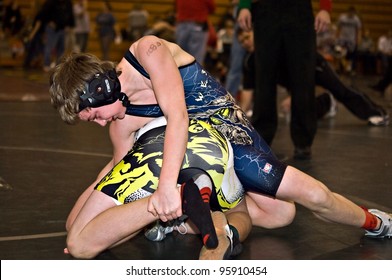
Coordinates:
[137,174]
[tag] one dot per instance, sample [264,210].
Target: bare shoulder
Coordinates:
[146,45]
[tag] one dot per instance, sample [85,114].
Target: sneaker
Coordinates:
[379,120]
[159,231]
[385,229]
[333,108]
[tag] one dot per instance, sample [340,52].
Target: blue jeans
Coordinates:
[234,76]
[193,38]
[55,42]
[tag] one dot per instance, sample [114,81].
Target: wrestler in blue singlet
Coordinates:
[255,164]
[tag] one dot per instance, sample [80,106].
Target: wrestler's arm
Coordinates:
[167,84]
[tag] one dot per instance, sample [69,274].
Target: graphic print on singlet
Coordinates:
[137,175]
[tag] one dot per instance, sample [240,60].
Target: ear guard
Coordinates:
[103,89]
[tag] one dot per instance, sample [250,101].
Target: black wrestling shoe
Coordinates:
[235,247]
[229,245]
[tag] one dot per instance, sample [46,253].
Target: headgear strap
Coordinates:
[103,89]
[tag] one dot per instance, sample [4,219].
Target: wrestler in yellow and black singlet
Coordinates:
[137,174]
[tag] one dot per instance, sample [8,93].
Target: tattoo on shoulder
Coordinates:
[153,47]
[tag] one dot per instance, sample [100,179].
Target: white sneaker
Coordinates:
[385,229]
[333,109]
[379,120]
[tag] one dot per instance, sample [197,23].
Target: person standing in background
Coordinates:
[82,24]
[13,21]
[237,54]
[106,22]
[285,30]
[34,43]
[137,22]
[349,35]
[192,26]
[57,15]
[357,102]
[11,27]
[384,49]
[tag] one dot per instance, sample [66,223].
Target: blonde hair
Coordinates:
[68,79]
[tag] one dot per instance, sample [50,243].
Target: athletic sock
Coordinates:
[195,204]
[370,221]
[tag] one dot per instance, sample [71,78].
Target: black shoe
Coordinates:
[303,153]
[235,247]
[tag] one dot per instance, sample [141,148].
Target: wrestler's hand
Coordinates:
[165,204]
[244,19]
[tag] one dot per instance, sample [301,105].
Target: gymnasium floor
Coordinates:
[45,165]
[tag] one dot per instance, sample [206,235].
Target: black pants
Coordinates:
[284,30]
[355,101]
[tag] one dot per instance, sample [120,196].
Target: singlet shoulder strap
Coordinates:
[150,110]
[133,61]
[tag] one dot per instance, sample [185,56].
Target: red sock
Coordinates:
[205,193]
[370,220]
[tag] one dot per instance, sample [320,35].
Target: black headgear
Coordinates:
[103,89]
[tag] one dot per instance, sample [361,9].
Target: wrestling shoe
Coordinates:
[385,229]
[235,247]
[379,120]
[228,243]
[159,231]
